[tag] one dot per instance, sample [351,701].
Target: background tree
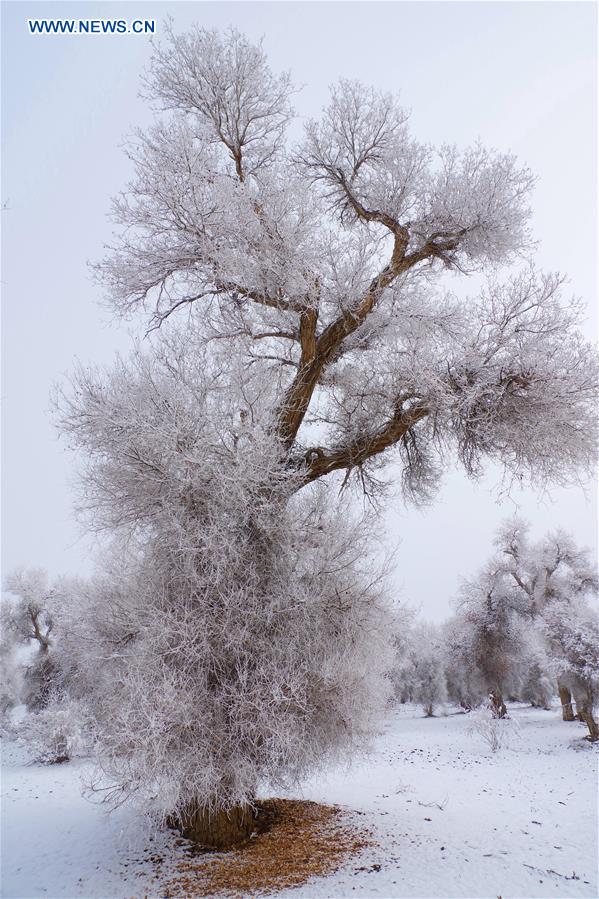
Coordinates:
[553,577]
[28,621]
[466,684]
[524,615]
[537,683]
[573,634]
[566,575]
[492,641]
[11,680]
[402,669]
[43,653]
[426,675]
[312,279]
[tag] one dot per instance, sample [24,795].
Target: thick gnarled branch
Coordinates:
[297,399]
[320,462]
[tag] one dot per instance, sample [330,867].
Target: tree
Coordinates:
[524,615]
[241,631]
[573,633]
[402,669]
[465,683]
[314,282]
[554,578]
[43,657]
[426,676]
[28,620]
[537,684]
[491,642]
[531,574]
[11,680]
[318,268]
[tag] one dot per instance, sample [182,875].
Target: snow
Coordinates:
[521,822]
[54,842]
[450,818]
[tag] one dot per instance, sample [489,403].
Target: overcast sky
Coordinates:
[519,76]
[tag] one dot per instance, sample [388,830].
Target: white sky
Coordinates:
[519,76]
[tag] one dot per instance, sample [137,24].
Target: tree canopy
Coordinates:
[313,276]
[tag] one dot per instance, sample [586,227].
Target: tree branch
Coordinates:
[257,296]
[320,353]
[322,462]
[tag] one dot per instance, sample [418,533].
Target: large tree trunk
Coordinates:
[498,706]
[217,830]
[584,707]
[565,698]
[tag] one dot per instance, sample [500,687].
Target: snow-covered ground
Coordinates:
[450,819]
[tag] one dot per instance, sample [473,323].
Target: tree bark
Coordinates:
[428,711]
[565,698]
[584,706]
[217,829]
[498,706]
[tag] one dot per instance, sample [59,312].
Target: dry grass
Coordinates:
[296,840]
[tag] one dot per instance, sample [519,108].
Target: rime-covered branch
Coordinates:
[333,252]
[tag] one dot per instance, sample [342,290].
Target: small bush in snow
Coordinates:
[497,733]
[54,734]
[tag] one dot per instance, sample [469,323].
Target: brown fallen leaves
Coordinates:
[295,840]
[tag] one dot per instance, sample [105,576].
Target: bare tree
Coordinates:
[315,282]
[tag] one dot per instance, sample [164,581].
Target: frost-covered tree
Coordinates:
[28,614]
[566,575]
[241,634]
[425,674]
[465,682]
[553,577]
[537,686]
[400,672]
[319,267]
[491,645]
[313,280]
[43,658]
[513,619]
[11,677]
[56,733]
[572,632]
